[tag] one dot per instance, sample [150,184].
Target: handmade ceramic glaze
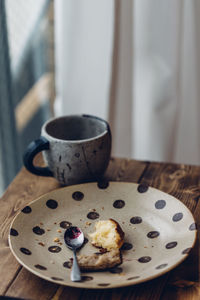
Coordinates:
[159,232]
[75,148]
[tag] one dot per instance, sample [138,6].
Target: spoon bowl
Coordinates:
[74,239]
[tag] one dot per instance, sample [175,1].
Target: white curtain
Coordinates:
[135,63]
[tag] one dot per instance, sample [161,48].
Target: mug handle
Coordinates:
[33,148]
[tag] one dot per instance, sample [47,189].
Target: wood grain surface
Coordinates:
[181,283]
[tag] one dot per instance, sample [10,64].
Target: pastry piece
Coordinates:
[108,235]
[100,261]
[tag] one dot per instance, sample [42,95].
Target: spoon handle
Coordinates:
[75,272]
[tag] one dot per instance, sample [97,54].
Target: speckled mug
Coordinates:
[75,149]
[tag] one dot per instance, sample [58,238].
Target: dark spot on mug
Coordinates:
[162,266]
[78,196]
[57,278]
[144,259]
[25,251]
[193,226]
[27,210]
[77,155]
[127,246]
[51,203]
[186,251]
[68,165]
[143,187]
[103,284]
[14,232]
[103,184]
[153,234]
[134,277]
[86,278]
[101,146]
[119,204]
[38,230]
[177,217]
[67,264]
[116,270]
[136,220]
[40,267]
[92,215]
[171,245]
[54,249]
[160,204]
[65,224]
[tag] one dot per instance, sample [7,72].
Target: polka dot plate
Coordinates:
[159,232]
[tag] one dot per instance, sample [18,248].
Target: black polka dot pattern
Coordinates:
[38,230]
[153,234]
[27,210]
[78,196]
[57,278]
[160,204]
[144,259]
[133,278]
[119,204]
[65,224]
[53,204]
[92,215]
[171,245]
[14,232]
[67,264]
[193,226]
[186,251]
[86,278]
[85,241]
[177,217]
[136,220]
[142,188]
[162,266]
[40,267]
[25,251]
[54,249]
[127,246]
[103,184]
[116,270]
[135,233]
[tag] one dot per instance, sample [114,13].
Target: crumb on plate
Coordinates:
[56,240]
[88,223]
[41,244]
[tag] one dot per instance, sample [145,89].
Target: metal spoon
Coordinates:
[74,239]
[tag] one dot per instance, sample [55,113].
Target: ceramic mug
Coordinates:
[75,149]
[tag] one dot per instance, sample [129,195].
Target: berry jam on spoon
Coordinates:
[74,239]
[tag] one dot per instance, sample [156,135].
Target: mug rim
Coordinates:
[46,134]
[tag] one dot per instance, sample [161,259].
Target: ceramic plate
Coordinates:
[159,232]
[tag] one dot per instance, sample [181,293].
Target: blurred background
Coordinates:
[135,63]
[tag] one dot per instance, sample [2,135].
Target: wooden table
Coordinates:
[181,181]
